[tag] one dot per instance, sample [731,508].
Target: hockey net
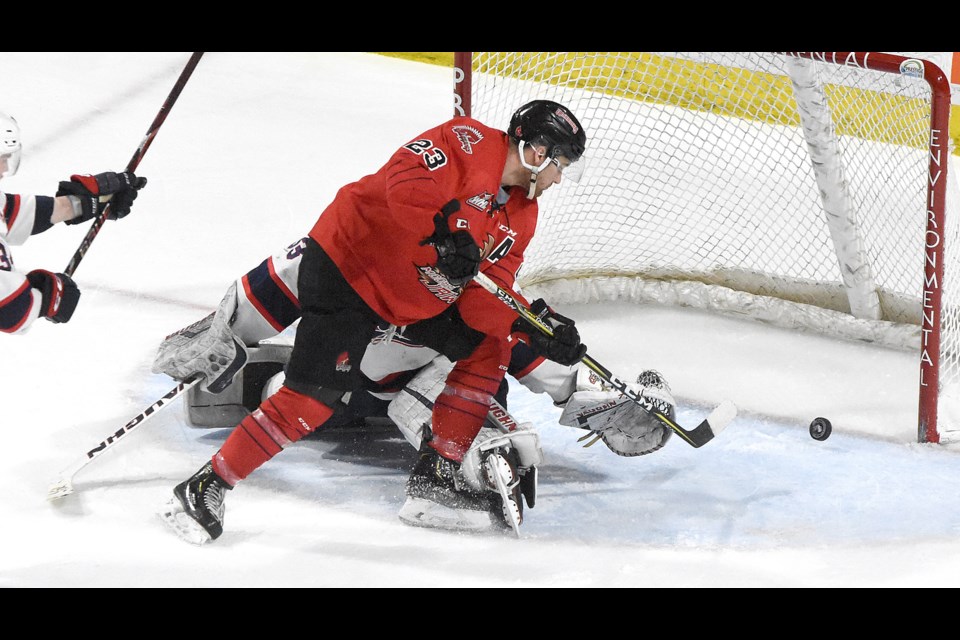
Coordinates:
[807,190]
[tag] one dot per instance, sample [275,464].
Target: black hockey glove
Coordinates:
[458,256]
[563,346]
[59,294]
[94,192]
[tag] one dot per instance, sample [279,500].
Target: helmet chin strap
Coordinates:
[534,170]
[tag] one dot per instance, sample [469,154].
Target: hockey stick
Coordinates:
[703,433]
[135,160]
[64,485]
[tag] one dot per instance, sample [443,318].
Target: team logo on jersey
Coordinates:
[468,137]
[486,249]
[481,201]
[437,284]
[343,362]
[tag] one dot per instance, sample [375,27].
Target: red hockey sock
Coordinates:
[459,411]
[280,420]
[458,415]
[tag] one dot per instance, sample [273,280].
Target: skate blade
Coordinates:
[186,528]
[497,467]
[424,513]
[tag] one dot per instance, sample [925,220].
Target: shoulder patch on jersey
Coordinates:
[481,202]
[468,136]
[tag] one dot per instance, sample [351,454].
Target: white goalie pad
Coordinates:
[412,409]
[624,426]
[503,458]
[524,440]
[207,347]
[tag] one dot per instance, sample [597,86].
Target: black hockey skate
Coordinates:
[439,497]
[195,512]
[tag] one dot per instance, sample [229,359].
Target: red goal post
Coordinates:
[804,189]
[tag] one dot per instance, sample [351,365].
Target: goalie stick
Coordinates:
[64,485]
[703,433]
[135,160]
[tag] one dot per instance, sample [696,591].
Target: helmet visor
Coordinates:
[572,171]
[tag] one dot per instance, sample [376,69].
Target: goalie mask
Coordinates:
[9,146]
[548,123]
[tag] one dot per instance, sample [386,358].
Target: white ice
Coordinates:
[256,146]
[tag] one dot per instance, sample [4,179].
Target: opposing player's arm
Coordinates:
[89,195]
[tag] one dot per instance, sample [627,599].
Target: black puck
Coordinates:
[820,429]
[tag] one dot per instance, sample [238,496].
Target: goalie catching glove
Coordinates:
[563,346]
[91,194]
[207,347]
[623,425]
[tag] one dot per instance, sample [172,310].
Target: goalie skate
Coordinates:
[438,498]
[501,475]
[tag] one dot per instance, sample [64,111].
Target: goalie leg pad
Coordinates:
[506,464]
[437,497]
[207,347]
[501,475]
[412,409]
[260,378]
[524,440]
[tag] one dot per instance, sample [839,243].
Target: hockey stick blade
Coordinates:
[64,484]
[703,433]
[722,415]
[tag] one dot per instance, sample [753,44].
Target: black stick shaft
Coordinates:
[137,157]
[696,437]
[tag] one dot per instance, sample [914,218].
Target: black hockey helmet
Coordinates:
[549,123]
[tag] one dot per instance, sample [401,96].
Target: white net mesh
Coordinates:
[699,190]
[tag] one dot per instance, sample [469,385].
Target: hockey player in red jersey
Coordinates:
[240,351]
[400,246]
[24,297]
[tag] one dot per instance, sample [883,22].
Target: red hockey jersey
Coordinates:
[373,228]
